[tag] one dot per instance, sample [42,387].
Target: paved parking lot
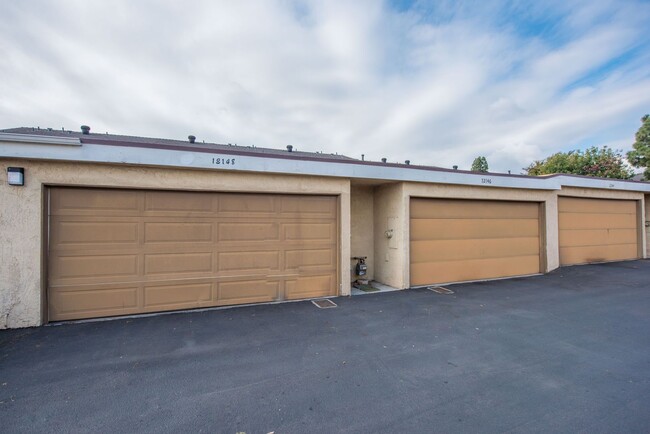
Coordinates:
[565,352]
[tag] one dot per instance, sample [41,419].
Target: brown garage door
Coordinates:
[597,230]
[117,252]
[457,240]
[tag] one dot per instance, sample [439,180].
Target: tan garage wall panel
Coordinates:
[597,230]
[456,240]
[117,252]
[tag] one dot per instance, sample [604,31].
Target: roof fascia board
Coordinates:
[201,160]
[95,153]
[605,184]
[36,139]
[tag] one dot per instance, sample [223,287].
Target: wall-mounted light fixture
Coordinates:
[16,176]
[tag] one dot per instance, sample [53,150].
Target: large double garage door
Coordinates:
[118,252]
[597,230]
[456,240]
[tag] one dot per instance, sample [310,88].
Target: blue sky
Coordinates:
[437,83]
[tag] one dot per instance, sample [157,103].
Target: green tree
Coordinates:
[640,155]
[480,164]
[600,162]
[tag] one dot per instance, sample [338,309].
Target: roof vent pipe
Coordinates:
[191,138]
[407,162]
[383,160]
[85,129]
[290,148]
[455,167]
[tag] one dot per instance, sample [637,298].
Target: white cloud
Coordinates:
[435,86]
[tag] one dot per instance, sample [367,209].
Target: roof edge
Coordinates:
[39,139]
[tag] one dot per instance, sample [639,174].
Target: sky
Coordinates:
[435,82]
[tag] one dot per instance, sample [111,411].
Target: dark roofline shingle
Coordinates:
[135,140]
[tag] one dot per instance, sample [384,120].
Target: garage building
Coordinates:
[106,225]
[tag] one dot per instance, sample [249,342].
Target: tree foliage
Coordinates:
[480,164]
[600,162]
[640,155]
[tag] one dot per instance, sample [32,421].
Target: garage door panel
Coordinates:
[249,291]
[176,250]
[248,231]
[587,254]
[597,230]
[309,231]
[177,296]
[598,206]
[178,264]
[93,267]
[454,240]
[444,229]
[596,237]
[73,233]
[310,287]
[255,261]
[310,258]
[174,203]
[597,221]
[95,202]
[306,207]
[250,205]
[87,303]
[449,250]
[178,232]
[459,209]
[472,269]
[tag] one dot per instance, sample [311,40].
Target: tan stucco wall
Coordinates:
[390,205]
[362,227]
[21,217]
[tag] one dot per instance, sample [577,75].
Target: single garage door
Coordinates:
[457,240]
[597,230]
[117,252]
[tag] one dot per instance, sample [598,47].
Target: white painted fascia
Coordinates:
[44,140]
[600,183]
[97,153]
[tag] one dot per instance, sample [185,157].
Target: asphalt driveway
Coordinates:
[565,352]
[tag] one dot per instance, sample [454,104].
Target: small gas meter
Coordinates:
[361,269]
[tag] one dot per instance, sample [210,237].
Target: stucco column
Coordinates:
[344,233]
[552,233]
